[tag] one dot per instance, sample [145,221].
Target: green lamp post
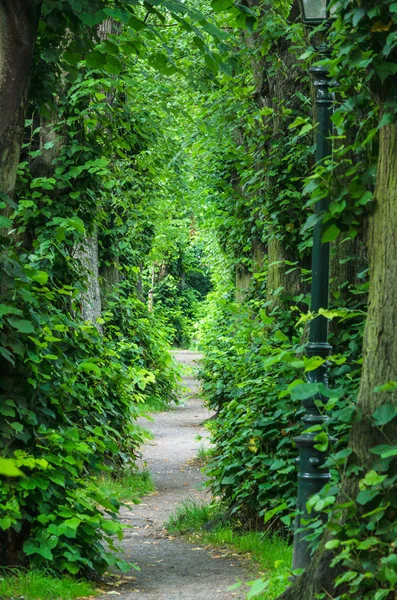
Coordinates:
[312,475]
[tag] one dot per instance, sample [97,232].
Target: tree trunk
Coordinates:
[278,276]
[275,90]
[379,351]
[139,282]
[91,307]
[110,278]
[150,302]
[243,280]
[91,304]
[110,274]
[18,29]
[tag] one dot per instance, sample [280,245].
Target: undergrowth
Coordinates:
[209,524]
[203,454]
[41,585]
[155,405]
[128,485]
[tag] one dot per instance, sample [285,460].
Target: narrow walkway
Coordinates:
[172,569]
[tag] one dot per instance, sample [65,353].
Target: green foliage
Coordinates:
[70,389]
[252,467]
[71,410]
[41,585]
[176,177]
[178,295]
[361,527]
[252,375]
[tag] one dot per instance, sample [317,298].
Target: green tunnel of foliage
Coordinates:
[190,159]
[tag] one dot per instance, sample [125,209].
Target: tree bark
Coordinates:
[379,352]
[18,30]
[110,274]
[276,90]
[277,273]
[91,303]
[91,306]
[109,278]
[243,280]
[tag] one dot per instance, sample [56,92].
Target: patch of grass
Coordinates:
[41,585]
[191,517]
[154,404]
[127,485]
[209,524]
[203,453]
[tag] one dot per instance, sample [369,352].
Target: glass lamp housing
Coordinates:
[315,12]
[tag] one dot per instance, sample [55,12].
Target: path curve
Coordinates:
[172,569]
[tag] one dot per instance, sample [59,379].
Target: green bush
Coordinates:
[68,398]
[253,374]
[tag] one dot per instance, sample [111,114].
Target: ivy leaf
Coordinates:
[219,6]
[384,414]
[40,277]
[371,478]
[17,426]
[21,325]
[312,220]
[389,386]
[73,523]
[5,222]
[323,438]
[277,464]
[274,511]
[89,367]
[358,14]
[111,527]
[257,588]
[366,496]
[5,523]
[6,309]
[297,122]
[385,69]
[8,468]
[303,391]
[389,453]
[230,480]
[348,414]
[380,25]
[330,234]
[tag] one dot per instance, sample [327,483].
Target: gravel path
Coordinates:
[172,569]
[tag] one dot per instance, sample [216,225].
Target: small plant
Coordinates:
[191,516]
[203,454]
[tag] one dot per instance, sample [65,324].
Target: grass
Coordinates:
[128,485]
[155,404]
[207,524]
[41,585]
[203,454]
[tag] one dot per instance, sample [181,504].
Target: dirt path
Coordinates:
[170,568]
